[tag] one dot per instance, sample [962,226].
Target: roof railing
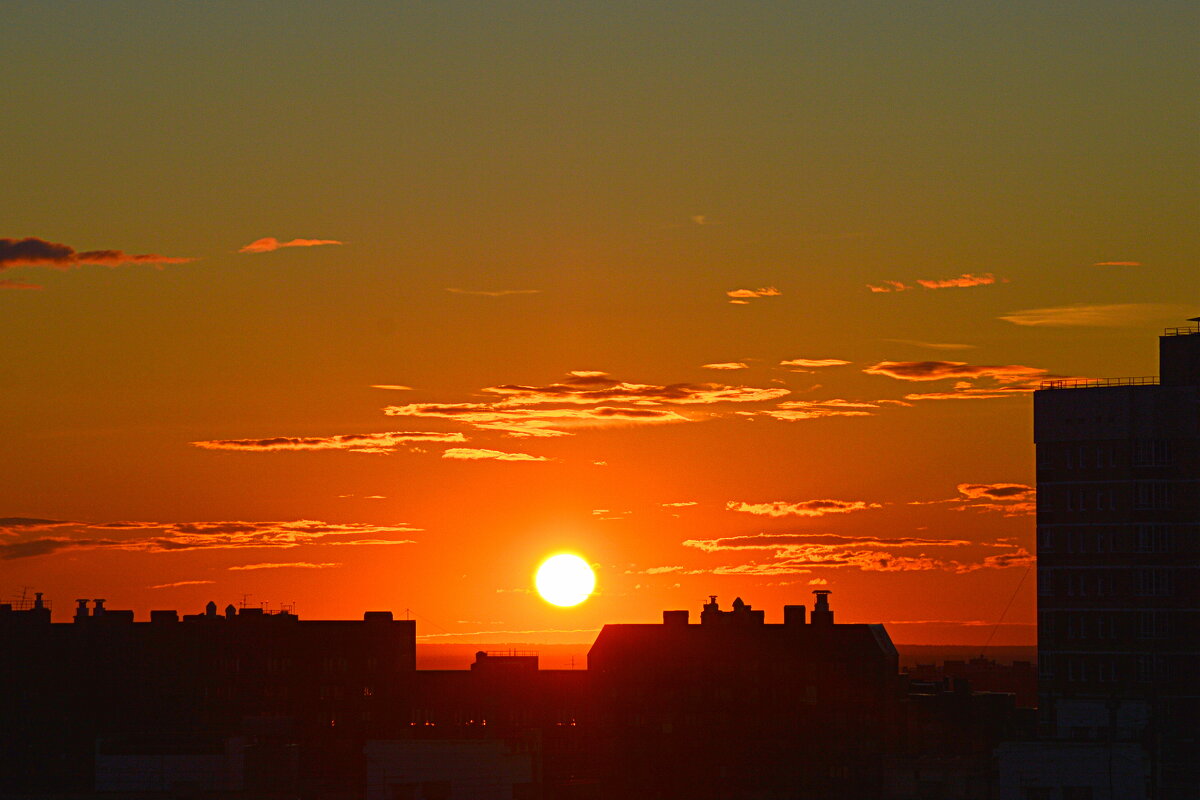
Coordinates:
[1182,330]
[1093,383]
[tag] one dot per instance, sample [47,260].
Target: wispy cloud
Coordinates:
[349,442]
[537,422]
[798,553]
[480,454]
[726,365]
[270,243]
[888,286]
[962,281]
[26,541]
[590,387]
[12,284]
[798,410]
[1117,264]
[33,252]
[1009,499]
[181,583]
[997,393]
[494,292]
[285,565]
[933,345]
[683,504]
[744,296]
[1113,315]
[802,508]
[942,370]
[395,387]
[808,364]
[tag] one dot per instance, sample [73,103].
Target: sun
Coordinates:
[565,580]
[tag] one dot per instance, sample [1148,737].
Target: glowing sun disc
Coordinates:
[565,580]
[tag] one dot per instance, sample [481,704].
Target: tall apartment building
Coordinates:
[1118,529]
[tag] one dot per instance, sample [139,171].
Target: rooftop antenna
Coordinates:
[245,597]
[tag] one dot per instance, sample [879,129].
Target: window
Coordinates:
[1152,453]
[1154,539]
[1153,496]
[1107,670]
[1045,540]
[1154,624]
[1153,582]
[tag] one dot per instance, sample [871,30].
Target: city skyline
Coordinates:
[381,308]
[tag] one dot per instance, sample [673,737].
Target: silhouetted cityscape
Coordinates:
[239,703]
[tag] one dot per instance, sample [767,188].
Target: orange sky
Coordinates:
[375,308]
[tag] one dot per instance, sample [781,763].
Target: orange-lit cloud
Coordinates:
[802,508]
[349,442]
[494,292]
[395,387]
[889,286]
[1009,499]
[1117,264]
[1113,315]
[269,244]
[541,422]
[726,365]
[800,553]
[33,252]
[933,345]
[180,583]
[285,565]
[683,504]
[798,410]
[960,282]
[11,284]
[965,280]
[941,370]
[478,454]
[804,364]
[975,394]
[743,296]
[161,537]
[590,387]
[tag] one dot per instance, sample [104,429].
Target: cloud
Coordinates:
[683,504]
[803,508]
[818,582]
[1117,264]
[965,280]
[285,565]
[350,442]
[1113,315]
[11,284]
[799,553]
[942,370]
[1009,499]
[889,286]
[807,363]
[590,387]
[12,524]
[797,410]
[996,393]
[743,296]
[32,252]
[181,583]
[539,422]
[163,537]
[726,365]
[395,387]
[933,345]
[269,244]
[478,454]
[495,292]
[960,282]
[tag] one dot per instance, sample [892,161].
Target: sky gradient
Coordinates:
[377,305]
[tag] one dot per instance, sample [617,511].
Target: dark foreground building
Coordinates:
[242,704]
[1118,518]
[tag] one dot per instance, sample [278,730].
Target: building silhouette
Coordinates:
[1118,550]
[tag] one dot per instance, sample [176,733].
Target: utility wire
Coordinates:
[996,627]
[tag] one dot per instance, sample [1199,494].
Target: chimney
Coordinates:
[99,609]
[675,618]
[794,615]
[210,609]
[37,600]
[81,609]
[821,614]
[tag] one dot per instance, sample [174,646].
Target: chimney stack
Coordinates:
[99,609]
[81,609]
[821,614]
